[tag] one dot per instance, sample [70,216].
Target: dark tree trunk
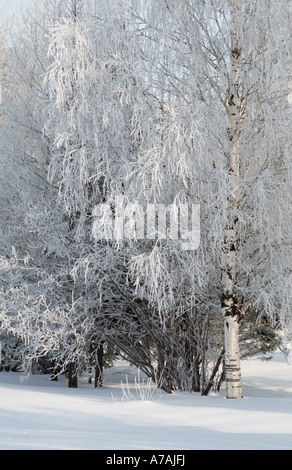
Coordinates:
[99,368]
[72,375]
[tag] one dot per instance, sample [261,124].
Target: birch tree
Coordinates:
[227,65]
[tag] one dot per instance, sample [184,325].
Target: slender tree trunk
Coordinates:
[72,376]
[99,368]
[213,375]
[230,310]
[232,317]
[232,361]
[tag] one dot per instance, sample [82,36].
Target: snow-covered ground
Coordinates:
[37,414]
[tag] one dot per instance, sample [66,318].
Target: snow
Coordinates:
[38,414]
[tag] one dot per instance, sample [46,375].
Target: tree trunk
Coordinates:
[99,368]
[232,316]
[229,305]
[72,375]
[232,360]
[210,384]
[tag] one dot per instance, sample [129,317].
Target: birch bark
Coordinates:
[230,310]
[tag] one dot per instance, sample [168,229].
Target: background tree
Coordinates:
[39,223]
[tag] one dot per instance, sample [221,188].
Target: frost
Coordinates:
[160,103]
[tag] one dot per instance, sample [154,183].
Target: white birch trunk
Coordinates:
[232,316]
[230,308]
[232,362]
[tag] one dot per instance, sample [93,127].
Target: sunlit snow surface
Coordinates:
[37,414]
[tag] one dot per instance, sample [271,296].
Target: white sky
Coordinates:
[8,6]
